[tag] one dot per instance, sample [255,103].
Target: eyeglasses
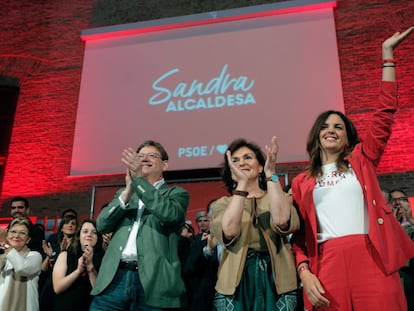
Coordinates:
[401,199]
[18,207]
[21,234]
[150,155]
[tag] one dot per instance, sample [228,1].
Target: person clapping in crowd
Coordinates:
[75,270]
[185,241]
[58,242]
[199,269]
[401,207]
[19,269]
[398,200]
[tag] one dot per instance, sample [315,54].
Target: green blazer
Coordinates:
[157,241]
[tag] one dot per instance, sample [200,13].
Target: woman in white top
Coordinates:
[20,269]
[350,246]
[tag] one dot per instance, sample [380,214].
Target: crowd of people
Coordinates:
[333,240]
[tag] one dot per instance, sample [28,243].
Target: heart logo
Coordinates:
[221,148]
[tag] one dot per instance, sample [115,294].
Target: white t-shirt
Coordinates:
[339,204]
[130,251]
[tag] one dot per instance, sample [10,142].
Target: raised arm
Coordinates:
[376,138]
[388,46]
[279,202]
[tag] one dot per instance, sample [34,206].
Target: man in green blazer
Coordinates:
[141,269]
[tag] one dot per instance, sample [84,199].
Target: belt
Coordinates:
[128,265]
[258,254]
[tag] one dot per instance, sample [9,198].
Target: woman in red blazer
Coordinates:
[350,246]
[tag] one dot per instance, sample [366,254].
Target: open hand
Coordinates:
[392,42]
[407,212]
[236,173]
[88,255]
[132,162]
[271,157]
[313,289]
[47,248]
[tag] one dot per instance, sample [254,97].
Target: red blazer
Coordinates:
[393,246]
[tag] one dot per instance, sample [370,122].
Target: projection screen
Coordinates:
[197,82]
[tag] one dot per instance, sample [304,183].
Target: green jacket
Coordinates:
[157,241]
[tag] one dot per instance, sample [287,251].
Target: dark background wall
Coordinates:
[40,47]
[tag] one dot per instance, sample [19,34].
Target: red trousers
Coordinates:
[352,278]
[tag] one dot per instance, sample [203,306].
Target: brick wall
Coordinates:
[361,27]
[41,47]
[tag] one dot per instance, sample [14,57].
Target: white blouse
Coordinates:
[29,267]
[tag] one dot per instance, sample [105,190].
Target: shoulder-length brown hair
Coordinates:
[313,145]
[76,247]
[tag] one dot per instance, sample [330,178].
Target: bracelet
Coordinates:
[206,253]
[240,193]
[389,60]
[90,270]
[303,268]
[386,66]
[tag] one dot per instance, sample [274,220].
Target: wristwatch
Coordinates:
[273,178]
